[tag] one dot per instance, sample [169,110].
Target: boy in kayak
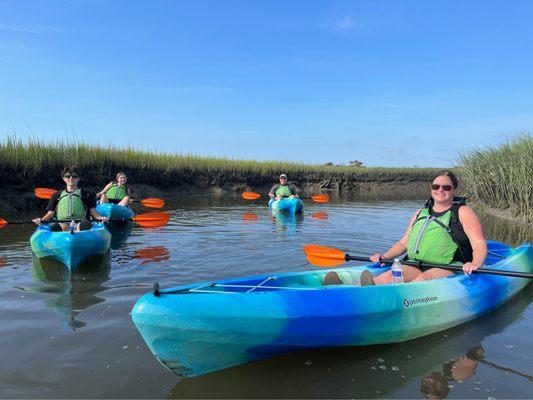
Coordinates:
[445,231]
[70,204]
[283,189]
[116,192]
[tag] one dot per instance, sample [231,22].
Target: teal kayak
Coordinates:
[204,327]
[114,211]
[70,248]
[287,206]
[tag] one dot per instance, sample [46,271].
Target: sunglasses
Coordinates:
[446,188]
[74,176]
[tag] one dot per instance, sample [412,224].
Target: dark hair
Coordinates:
[72,169]
[448,173]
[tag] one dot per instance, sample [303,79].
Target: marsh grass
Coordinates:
[35,159]
[502,176]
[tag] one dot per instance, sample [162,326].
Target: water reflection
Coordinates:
[369,371]
[120,231]
[436,385]
[249,218]
[320,215]
[505,231]
[153,254]
[71,293]
[287,223]
[3,262]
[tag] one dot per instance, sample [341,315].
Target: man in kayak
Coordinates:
[116,192]
[445,231]
[70,204]
[283,189]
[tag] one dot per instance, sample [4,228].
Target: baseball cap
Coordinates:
[283,176]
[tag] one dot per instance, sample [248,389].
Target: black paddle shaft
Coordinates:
[420,264]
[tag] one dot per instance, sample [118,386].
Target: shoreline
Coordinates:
[21,199]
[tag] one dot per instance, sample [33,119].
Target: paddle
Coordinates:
[150,202]
[318,198]
[147,220]
[323,256]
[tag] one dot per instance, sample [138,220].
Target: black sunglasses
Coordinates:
[73,176]
[447,188]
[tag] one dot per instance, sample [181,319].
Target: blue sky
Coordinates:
[389,83]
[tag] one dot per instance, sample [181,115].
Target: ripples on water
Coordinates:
[72,336]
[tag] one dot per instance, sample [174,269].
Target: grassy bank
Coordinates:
[40,162]
[502,177]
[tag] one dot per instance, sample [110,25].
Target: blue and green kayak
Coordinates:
[114,211]
[70,248]
[204,327]
[286,206]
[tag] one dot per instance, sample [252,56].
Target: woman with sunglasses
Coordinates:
[72,203]
[443,232]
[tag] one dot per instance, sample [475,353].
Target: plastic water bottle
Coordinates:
[397,271]
[72,226]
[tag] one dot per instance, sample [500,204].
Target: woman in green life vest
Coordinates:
[69,204]
[444,232]
[116,192]
[283,189]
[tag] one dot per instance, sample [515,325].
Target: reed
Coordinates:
[26,159]
[502,177]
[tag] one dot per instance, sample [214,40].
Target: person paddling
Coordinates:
[445,231]
[283,189]
[116,192]
[72,203]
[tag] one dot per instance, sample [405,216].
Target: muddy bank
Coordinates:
[20,196]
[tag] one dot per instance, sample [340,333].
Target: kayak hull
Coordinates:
[286,206]
[207,327]
[70,249]
[114,211]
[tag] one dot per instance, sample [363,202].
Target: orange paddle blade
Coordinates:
[152,220]
[323,256]
[250,195]
[153,202]
[44,193]
[320,198]
[3,223]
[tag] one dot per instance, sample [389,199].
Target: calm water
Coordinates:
[65,337]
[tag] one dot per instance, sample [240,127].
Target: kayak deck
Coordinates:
[204,327]
[70,248]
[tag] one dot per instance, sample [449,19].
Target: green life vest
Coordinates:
[430,239]
[117,192]
[71,206]
[284,191]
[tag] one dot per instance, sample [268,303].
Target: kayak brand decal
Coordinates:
[412,302]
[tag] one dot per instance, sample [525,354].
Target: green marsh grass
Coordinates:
[502,177]
[30,158]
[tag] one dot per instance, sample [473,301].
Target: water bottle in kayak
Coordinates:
[397,271]
[72,226]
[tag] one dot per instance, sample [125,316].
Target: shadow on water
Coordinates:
[120,231]
[371,371]
[71,293]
